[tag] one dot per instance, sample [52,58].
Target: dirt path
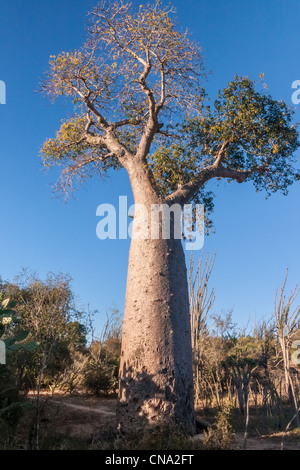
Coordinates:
[78,417]
[81,416]
[265,443]
[100,409]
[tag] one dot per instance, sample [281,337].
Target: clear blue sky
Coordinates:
[255,240]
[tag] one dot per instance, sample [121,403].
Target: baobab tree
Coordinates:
[139,104]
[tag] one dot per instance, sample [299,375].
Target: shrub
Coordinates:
[220,436]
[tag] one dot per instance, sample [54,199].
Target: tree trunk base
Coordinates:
[156,379]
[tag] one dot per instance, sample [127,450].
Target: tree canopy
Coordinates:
[139,101]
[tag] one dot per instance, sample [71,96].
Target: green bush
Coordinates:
[220,436]
[101,372]
[16,342]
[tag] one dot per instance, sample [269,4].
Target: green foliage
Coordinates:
[175,164]
[17,342]
[13,337]
[101,372]
[69,145]
[246,352]
[46,312]
[246,128]
[220,436]
[136,87]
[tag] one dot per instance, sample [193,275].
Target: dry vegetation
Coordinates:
[57,392]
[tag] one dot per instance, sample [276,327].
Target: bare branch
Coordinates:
[220,154]
[86,100]
[126,122]
[160,105]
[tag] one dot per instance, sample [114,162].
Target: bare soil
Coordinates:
[269,442]
[82,417]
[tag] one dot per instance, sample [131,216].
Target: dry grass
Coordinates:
[88,423]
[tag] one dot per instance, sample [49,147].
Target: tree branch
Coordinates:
[221,154]
[86,99]
[126,122]
[148,92]
[152,125]
[187,191]
[95,140]
[163,90]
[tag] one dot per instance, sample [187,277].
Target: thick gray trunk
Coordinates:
[156,380]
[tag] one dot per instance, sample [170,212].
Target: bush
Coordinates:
[220,436]
[101,373]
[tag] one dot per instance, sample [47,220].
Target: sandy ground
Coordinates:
[84,416]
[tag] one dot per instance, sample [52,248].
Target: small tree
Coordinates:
[101,371]
[201,302]
[102,366]
[16,341]
[46,309]
[287,318]
[137,88]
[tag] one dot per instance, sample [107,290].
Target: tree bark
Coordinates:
[156,378]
